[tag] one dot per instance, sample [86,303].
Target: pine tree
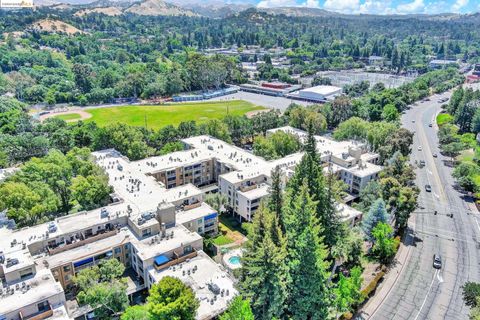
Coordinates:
[309,169]
[309,296]
[275,201]
[264,277]
[376,214]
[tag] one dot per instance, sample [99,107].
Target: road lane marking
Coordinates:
[478,226]
[439,277]
[426,296]
[430,172]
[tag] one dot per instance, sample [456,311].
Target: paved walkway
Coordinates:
[389,280]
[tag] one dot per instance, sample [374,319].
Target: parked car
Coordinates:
[419,148]
[428,188]
[422,163]
[430,125]
[437,261]
[434,155]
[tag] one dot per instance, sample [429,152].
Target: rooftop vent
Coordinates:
[103,213]
[12,262]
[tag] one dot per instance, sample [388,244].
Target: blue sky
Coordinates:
[379,6]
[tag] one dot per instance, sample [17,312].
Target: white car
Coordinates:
[419,148]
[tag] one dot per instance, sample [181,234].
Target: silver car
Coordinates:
[437,261]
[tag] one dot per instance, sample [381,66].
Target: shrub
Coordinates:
[346,316]
[397,243]
[367,291]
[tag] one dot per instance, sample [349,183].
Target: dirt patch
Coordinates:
[83,115]
[255,112]
[55,26]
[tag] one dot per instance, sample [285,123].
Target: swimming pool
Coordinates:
[235,260]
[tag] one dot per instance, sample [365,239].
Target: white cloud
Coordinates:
[277,3]
[376,7]
[312,4]
[342,5]
[438,7]
[372,6]
[459,4]
[288,3]
[416,6]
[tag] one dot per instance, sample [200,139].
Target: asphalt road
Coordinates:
[422,292]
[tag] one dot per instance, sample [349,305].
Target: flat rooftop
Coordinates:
[196,213]
[65,225]
[364,170]
[347,212]
[133,184]
[256,193]
[153,246]
[325,145]
[233,156]
[322,90]
[38,288]
[206,272]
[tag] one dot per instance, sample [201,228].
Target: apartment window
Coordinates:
[199,221]
[118,250]
[187,249]
[146,232]
[200,230]
[43,306]
[67,268]
[26,273]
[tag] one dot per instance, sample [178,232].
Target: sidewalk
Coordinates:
[394,272]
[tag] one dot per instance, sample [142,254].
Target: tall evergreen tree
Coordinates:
[310,170]
[275,201]
[264,277]
[309,296]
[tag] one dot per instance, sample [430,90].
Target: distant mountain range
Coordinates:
[219,9]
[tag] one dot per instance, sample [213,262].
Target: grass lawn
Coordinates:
[443,118]
[162,115]
[222,239]
[230,231]
[466,155]
[69,116]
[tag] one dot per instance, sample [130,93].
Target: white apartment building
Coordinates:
[147,227]
[349,160]
[155,224]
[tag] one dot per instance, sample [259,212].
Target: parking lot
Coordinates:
[261,100]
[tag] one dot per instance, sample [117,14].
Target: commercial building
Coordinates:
[206,95]
[441,63]
[376,61]
[276,89]
[316,94]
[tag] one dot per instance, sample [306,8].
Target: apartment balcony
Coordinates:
[192,206]
[248,188]
[44,314]
[99,236]
[176,260]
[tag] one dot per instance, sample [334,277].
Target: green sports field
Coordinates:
[162,115]
[70,116]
